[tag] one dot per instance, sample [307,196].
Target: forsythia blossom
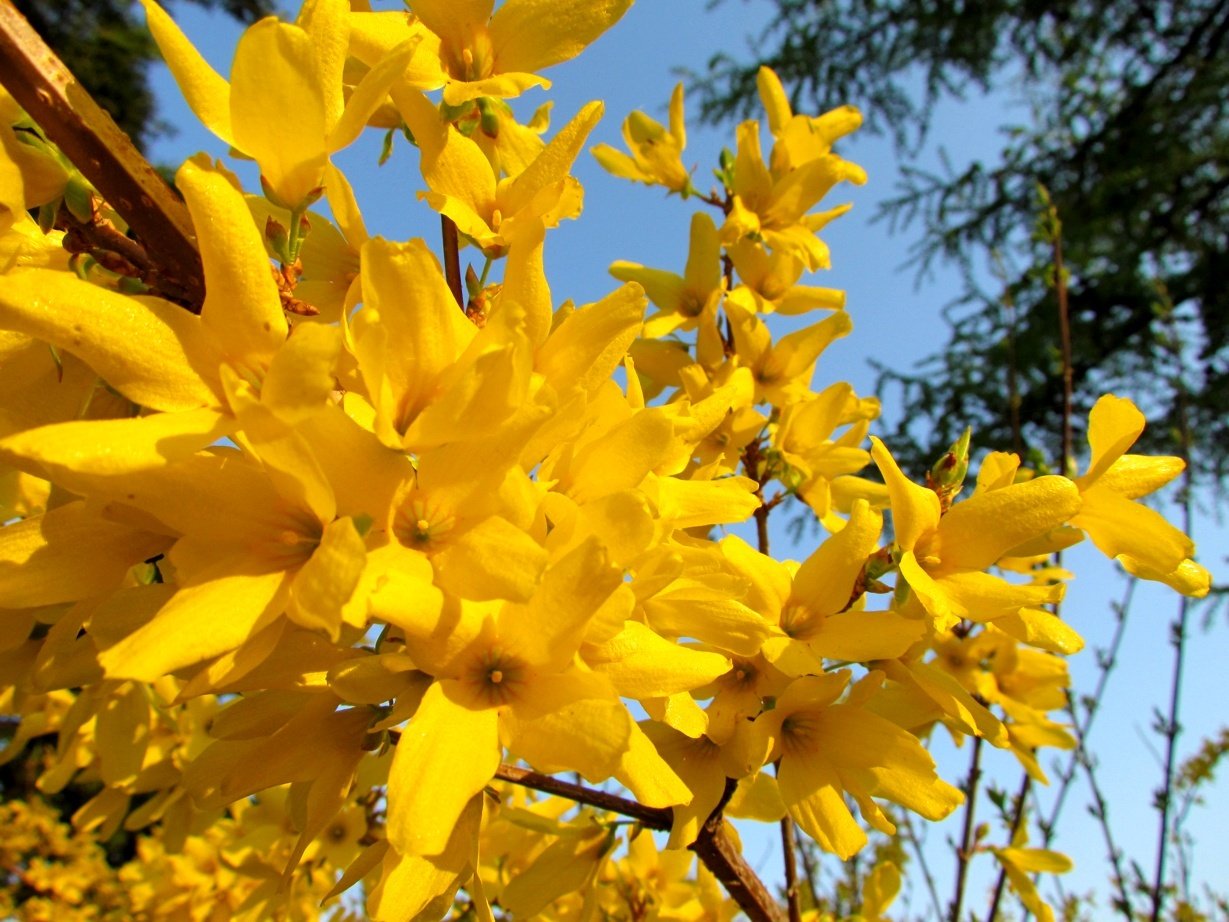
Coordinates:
[309,588]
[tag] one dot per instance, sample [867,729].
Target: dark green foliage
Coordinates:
[1129,131]
[106,45]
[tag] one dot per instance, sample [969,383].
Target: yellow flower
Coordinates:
[284,105]
[820,461]
[943,556]
[773,200]
[827,750]
[506,675]
[499,55]
[769,282]
[463,184]
[656,152]
[681,299]
[1137,537]
[783,370]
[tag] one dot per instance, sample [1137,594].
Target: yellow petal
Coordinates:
[206,92]
[325,583]
[688,503]
[915,509]
[451,164]
[370,94]
[977,532]
[199,622]
[622,458]
[525,282]
[446,755]
[861,636]
[407,298]
[1041,629]
[154,353]
[553,164]
[116,446]
[772,96]
[454,21]
[825,581]
[585,349]
[492,560]
[572,730]
[1113,426]
[277,108]
[566,866]
[812,793]
[1121,528]
[242,308]
[300,380]
[66,554]
[647,775]
[327,24]
[531,35]
[643,665]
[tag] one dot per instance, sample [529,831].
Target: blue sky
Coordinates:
[895,323]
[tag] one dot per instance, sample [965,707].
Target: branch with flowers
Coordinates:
[326,586]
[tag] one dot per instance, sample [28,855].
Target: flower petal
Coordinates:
[200,621]
[915,510]
[206,91]
[277,108]
[242,308]
[154,353]
[447,754]
[975,533]
[531,35]
[68,553]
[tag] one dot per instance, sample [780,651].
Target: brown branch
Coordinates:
[723,858]
[1064,327]
[48,91]
[652,817]
[712,846]
[792,900]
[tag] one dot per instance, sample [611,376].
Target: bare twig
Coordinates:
[1172,728]
[106,156]
[652,817]
[965,851]
[712,846]
[792,900]
[1017,818]
[1100,810]
[920,853]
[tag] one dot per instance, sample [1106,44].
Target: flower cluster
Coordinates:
[295,581]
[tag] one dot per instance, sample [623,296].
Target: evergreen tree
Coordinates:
[1129,134]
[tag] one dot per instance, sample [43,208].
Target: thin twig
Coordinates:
[712,846]
[1100,811]
[912,838]
[809,870]
[652,817]
[792,900]
[1172,728]
[53,97]
[965,851]
[1107,659]
[1016,819]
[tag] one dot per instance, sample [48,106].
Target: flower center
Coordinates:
[422,524]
